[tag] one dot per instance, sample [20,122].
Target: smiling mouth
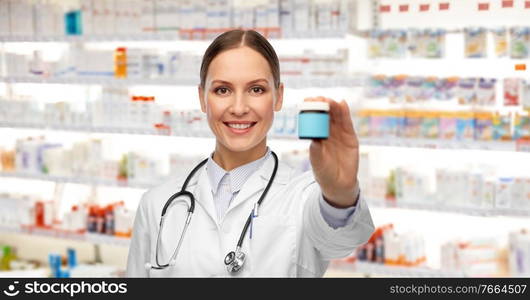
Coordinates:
[240,126]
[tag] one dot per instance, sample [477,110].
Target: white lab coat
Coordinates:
[290,238]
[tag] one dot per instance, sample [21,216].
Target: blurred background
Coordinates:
[98,102]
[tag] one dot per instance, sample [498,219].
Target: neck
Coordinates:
[230,160]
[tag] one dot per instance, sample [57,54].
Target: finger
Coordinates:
[318,98]
[316,153]
[334,111]
[347,123]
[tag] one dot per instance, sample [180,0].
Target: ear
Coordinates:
[201,98]
[279,98]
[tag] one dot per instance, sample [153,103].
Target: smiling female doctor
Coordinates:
[252,214]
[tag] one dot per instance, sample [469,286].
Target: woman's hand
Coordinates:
[335,161]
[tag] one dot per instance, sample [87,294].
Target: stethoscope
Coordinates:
[234,260]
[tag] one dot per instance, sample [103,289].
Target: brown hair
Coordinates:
[237,38]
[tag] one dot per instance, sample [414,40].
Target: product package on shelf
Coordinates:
[522,126]
[475,258]
[466,92]
[429,43]
[500,41]
[526,95]
[414,91]
[519,42]
[484,126]
[502,124]
[445,88]
[485,92]
[387,247]
[447,128]
[475,42]
[519,253]
[512,91]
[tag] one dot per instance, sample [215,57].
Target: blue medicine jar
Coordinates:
[313,120]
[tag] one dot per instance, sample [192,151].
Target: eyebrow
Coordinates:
[249,83]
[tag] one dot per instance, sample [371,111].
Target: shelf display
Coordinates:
[472,190]
[391,254]
[35,157]
[419,78]
[185,19]
[123,66]
[464,126]
[84,221]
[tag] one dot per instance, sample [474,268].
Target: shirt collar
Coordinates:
[237,176]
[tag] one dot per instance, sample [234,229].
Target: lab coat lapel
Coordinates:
[256,183]
[203,195]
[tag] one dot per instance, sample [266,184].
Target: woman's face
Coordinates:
[239,98]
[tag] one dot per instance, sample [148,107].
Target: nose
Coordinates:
[239,105]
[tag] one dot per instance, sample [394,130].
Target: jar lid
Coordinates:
[313,105]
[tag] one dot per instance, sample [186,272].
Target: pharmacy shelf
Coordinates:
[366,141]
[94,238]
[374,269]
[437,144]
[444,144]
[78,180]
[92,38]
[84,129]
[289,82]
[111,81]
[158,36]
[435,207]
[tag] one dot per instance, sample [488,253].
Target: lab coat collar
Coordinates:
[237,176]
[265,172]
[258,181]
[200,185]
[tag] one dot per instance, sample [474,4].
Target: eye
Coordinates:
[257,90]
[222,91]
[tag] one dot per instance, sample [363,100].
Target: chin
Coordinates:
[239,146]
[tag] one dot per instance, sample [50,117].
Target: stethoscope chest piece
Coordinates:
[234,261]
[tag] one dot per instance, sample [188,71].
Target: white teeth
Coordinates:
[239,126]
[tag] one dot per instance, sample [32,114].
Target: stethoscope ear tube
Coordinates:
[175,196]
[183,191]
